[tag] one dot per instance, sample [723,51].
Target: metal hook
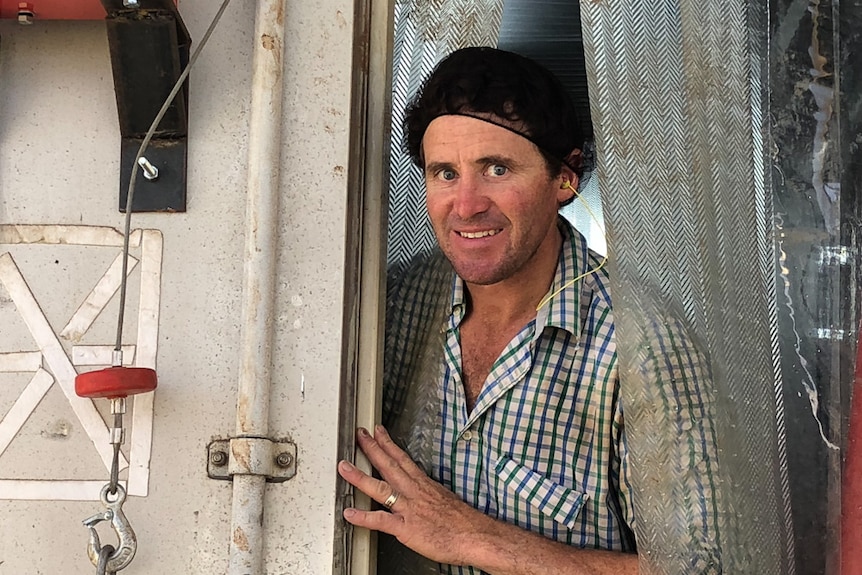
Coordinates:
[128,542]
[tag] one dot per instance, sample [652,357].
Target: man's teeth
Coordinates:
[475,235]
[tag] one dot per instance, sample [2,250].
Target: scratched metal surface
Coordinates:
[59,162]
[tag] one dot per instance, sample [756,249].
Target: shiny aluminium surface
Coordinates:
[815,126]
[678,102]
[728,144]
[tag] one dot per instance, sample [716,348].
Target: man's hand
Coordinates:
[431,520]
[426,517]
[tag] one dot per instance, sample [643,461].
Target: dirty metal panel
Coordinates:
[59,164]
[41,326]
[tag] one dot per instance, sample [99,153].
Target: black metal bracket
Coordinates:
[149,46]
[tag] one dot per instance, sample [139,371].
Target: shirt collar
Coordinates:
[459,303]
[563,310]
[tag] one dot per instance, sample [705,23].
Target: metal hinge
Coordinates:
[275,460]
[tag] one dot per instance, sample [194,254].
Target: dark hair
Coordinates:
[516,90]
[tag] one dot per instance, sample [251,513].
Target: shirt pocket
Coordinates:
[551,499]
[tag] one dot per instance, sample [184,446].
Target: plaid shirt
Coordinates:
[544,448]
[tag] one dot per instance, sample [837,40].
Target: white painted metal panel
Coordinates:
[58,166]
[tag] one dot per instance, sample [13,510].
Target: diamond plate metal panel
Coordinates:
[425,32]
[679,113]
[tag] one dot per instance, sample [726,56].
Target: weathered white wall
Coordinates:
[59,147]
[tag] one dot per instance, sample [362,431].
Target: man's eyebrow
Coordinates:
[507,161]
[434,167]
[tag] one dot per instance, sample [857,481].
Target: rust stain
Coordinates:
[338,170]
[240,539]
[243,409]
[242,454]
[279,13]
[273,45]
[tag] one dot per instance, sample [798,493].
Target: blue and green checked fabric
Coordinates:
[544,448]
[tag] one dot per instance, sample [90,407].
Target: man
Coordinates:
[501,379]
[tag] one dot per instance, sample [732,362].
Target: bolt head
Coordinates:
[218,458]
[284,460]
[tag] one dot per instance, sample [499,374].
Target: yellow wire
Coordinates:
[592,271]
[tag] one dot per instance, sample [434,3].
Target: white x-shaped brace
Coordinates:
[55,356]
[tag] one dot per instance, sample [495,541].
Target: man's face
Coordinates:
[491,200]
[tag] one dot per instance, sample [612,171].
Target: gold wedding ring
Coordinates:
[390,501]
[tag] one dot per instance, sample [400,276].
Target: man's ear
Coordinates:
[568,176]
[568,188]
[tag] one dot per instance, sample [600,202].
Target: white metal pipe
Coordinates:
[262,206]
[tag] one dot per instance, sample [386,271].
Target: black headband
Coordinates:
[511,129]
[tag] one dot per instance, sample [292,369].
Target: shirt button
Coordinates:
[467,435]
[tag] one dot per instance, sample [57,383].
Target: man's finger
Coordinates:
[376,520]
[377,490]
[401,457]
[389,467]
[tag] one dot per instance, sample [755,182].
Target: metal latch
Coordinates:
[275,460]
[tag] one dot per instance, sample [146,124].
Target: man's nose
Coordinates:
[470,198]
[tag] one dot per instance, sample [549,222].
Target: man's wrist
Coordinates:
[489,546]
[501,548]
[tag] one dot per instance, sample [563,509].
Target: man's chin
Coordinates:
[479,274]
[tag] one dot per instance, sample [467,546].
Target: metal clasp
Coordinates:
[128,542]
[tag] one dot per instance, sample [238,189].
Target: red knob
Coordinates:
[113,382]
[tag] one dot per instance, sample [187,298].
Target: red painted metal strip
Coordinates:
[851,496]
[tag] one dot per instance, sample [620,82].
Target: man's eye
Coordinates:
[498,170]
[447,175]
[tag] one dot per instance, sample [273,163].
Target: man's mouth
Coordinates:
[477,235]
